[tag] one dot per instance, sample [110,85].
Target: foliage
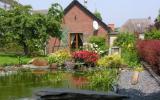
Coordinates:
[110,61]
[157,21]
[54,20]
[10,2]
[125,40]
[86,57]
[148,50]
[93,47]
[59,57]
[129,54]
[139,69]
[64,36]
[153,34]
[100,41]
[131,58]
[103,80]
[29,30]
[98,14]
[56,12]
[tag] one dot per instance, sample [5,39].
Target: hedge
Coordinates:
[149,51]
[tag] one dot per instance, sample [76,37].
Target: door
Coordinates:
[75,40]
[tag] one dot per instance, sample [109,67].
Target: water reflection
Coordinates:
[23,83]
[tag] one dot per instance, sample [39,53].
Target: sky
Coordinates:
[112,11]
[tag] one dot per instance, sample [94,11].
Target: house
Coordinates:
[137,26]
[4,5]
[80,24]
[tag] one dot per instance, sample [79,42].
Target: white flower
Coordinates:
[96,46]
[101,51]
[91,45]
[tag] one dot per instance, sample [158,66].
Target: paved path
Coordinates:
[146,89]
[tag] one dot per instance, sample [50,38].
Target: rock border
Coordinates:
[151,72]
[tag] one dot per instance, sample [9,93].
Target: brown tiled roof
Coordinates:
[44,11]
[136,25]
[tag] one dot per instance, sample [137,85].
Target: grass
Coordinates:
[13,59]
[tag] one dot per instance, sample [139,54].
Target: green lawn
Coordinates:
[13,59]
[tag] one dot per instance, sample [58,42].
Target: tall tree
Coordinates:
[31,31]
[98,14]
[10,2]
[157,21]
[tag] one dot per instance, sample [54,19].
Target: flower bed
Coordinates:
[86,57]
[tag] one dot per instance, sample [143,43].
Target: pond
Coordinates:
[24,83]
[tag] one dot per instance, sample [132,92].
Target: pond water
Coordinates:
[24,83]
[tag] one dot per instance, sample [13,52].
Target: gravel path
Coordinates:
[146,89]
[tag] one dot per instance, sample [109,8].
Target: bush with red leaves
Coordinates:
[149,51]
[85,56]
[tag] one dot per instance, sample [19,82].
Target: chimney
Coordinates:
[111,26]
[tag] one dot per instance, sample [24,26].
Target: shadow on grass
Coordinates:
[3,54]
[138,95]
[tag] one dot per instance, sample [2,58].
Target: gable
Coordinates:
[75,4]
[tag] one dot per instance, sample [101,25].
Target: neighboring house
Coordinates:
[137,26]
[81,24]
[4,5]
[44,11]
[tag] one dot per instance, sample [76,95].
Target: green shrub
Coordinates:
[131,58]
[110,61]
[59,57]
[103,80]
[125,40]
[129,54]
[153,34]
[98,40]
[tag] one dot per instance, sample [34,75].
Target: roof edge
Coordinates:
[75,2]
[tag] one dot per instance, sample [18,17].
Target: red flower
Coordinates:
[85,56]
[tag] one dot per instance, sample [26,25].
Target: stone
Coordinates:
[31,61]
[135,77]
[53,66]
[68,94]
[69,65]
[1,69]
[38,62]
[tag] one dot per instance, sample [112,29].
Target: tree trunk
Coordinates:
[25,49]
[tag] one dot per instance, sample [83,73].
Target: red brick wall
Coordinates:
[83,23]
[53,42]
[78,21]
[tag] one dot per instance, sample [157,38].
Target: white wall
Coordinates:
[111,40]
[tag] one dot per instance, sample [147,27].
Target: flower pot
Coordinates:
[53,66]
[135,77]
